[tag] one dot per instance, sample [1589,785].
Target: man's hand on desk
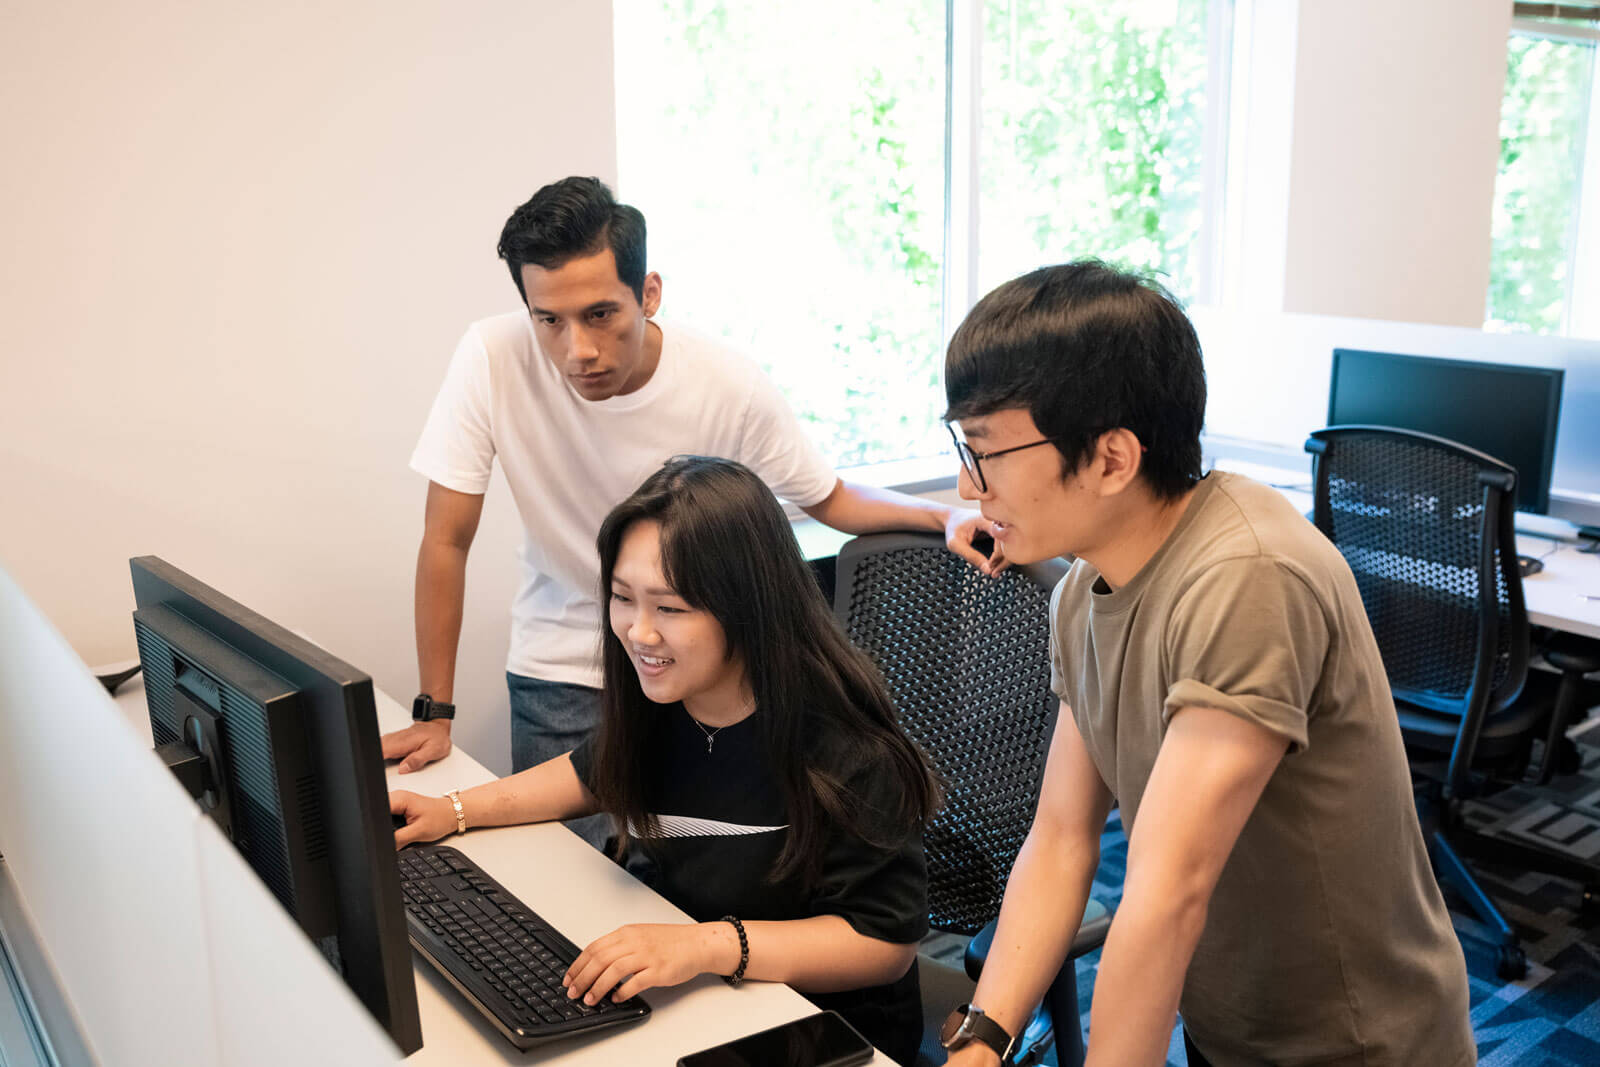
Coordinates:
[653,954]
[427,818]
[418,745]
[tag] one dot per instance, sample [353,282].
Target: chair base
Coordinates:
[1451,844]
[1447,849]
[1512,964]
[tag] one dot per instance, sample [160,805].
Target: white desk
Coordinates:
[584,895]
[1566,594]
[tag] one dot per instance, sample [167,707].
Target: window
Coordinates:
[831,186]
[1539,234]
[1093,124]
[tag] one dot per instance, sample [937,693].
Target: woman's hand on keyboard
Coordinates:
[427,818]
[647,955]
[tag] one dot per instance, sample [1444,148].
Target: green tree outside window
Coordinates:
[790,159]
[1536,191]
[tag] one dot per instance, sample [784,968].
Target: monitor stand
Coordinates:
[197,762]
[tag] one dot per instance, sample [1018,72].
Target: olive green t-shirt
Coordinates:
[1327,940]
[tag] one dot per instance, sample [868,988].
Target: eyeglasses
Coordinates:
[971,460]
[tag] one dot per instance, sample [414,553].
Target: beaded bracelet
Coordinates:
[744,950]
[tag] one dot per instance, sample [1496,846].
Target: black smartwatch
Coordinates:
[967,1024]
[426,709]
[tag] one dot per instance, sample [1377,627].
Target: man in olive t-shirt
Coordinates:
[1220,682]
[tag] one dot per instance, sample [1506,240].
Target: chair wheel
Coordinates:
[1512,964]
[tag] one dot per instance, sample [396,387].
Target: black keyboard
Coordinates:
[493,948]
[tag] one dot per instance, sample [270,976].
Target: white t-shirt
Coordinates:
[569,461]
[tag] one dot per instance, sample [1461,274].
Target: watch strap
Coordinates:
[426,709]
[977,1026]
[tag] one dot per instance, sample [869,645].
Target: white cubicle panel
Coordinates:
[101,842]
[277,1000]
[166,948]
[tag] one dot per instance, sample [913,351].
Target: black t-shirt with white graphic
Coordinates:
[722,823]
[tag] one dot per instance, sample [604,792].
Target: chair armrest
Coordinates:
[1091,935]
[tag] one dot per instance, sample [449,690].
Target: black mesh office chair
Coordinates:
[1426,526]
[967,660]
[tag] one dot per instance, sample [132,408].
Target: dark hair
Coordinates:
[570,218]
[726,548]
[1086,348]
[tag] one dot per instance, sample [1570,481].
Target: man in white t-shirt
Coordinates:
[580,398]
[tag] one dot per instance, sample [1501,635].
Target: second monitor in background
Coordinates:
[1505,411]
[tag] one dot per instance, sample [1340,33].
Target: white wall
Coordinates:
[242,240]
[1392,168]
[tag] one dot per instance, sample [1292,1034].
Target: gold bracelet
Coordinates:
[454,796]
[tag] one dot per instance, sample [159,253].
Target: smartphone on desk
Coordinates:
[820,1040]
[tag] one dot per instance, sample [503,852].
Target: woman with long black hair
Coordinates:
[750,759]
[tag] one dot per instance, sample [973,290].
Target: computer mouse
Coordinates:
[1528,566]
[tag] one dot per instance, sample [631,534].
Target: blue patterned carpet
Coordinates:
[1552,1017]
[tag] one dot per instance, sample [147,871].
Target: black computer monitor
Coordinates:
[278,742]
[1504,411]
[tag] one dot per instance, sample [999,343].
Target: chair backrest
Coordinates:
[1426,526]
[968,664]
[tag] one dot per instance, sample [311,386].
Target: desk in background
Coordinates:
[1566,594]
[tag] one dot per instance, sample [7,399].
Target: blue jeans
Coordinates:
[547,720]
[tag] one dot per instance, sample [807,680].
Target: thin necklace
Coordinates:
[711,735]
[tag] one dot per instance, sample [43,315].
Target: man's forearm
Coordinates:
[440,594]
[1140,979]
[1045,897]
[861,509]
